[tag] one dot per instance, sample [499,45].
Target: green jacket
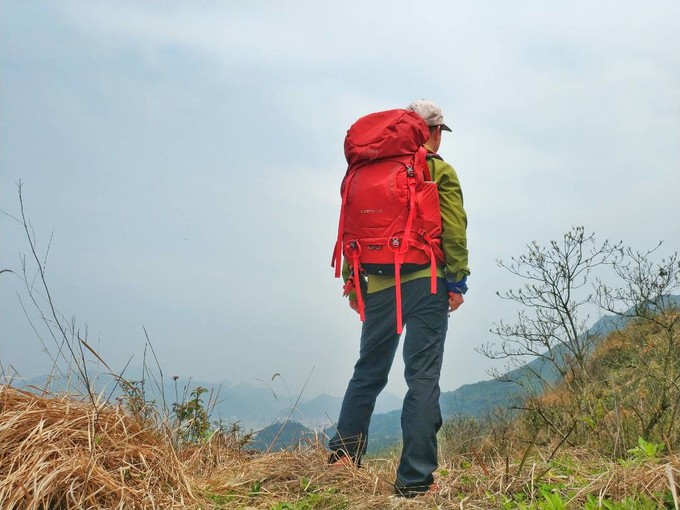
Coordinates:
[454,226]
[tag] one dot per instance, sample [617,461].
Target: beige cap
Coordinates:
[430,112]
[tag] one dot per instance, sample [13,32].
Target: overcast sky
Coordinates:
[187,157]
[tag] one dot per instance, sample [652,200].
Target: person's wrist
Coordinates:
[457,286]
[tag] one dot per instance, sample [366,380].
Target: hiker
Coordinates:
[426,294]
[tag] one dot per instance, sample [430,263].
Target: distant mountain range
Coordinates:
[258,407]
[251,406]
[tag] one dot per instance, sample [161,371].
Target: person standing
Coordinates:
[425,316]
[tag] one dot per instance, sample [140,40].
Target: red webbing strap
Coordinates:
[357,285]
[398,259]
[433,272]
[424,243]
[405,241]
[336,261]
[426,246]
[411,214]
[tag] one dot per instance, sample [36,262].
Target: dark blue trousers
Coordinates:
[426,321]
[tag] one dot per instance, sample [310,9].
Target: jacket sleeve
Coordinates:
[454,219]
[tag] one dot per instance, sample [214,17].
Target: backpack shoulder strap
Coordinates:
[429,156]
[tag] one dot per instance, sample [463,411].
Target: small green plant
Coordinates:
[552,500]
[220,500]
[646,450]
[233,432]
[193,422]
[255,488]
[134,400]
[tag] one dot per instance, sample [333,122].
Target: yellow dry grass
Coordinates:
[56,452]
[59,453]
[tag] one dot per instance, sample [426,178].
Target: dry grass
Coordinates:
[262,481]
[58,453]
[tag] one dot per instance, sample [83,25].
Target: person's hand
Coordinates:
[354,305]
[455,300]
[348,288]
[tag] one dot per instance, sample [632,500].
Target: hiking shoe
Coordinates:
[340,458]
[418,490]
[342,461]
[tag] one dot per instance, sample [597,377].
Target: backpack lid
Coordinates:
[385,134]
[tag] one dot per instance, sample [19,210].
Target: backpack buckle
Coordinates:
[410,172]
[353,248]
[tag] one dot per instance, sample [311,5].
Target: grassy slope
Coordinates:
[67,454]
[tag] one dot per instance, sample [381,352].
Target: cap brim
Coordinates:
[446,128]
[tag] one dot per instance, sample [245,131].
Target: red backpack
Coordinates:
[390,221]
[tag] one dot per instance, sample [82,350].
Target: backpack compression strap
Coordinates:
[353,250]
[400,247]
[336,260]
